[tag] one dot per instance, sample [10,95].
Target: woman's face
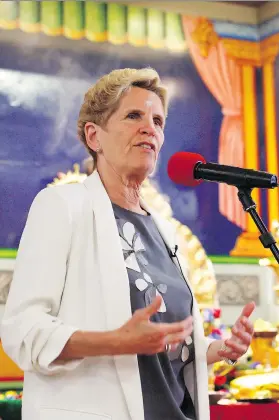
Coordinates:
[134,134]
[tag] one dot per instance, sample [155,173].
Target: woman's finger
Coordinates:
[248,325]
[229,355]
[237,347]
[243,336]
[176,338]
[176,327]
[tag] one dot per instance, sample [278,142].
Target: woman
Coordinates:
[99,315]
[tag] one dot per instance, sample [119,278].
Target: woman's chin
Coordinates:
[139,173]
[144,170]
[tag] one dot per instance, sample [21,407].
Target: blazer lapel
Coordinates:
[116,287]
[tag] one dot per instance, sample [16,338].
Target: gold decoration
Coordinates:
[269,49]
[248,245]
[264,346]
[244,52]
[194,259]
[252,53]
[264,385]
[71,177]
[205,36]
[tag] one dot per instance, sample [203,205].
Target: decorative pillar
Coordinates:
[248,55]
[250,123]
[270,138]
[248,243]
[269,49]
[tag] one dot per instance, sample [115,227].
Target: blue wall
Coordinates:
[41,90]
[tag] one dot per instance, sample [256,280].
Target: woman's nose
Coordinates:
[148,128]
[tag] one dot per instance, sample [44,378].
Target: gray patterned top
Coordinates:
[152,272]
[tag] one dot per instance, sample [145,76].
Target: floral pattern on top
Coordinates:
[133,252]
[182,351]
[132,246]
[152,291]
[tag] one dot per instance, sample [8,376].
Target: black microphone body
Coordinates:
[239,177]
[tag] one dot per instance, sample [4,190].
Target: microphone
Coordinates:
[190,169]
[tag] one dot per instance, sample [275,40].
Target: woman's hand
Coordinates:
[242,333]
[141,336]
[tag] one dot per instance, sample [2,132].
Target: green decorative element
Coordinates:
[29,13]
[51,17]
[73,19]
[223,259]
[8,14]
[117,23]
[95,21]
[216,259]
[15,385]
[175,39]
[8,253]
[10,409]
[155,28]
[136,25]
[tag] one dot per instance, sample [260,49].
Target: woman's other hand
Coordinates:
[242,334]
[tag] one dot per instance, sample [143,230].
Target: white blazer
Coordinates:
[70,275]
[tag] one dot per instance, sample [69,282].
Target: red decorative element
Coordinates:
[220,380]
[11,379]
[217,313]
[244,411]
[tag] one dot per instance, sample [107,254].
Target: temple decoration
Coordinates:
[271,142]
[248,244]
[237,60]
[251,55]
[205,36]
[71,177]
[235,50]
[222,76]
[193,256]
[96,21]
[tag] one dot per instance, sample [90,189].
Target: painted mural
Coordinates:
[221,81]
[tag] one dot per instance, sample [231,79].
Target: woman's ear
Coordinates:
[90,131]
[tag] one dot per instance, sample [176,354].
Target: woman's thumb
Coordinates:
[153,307]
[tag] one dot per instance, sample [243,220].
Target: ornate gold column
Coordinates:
[270,48]
[248,55]
[250,131]
[248,243]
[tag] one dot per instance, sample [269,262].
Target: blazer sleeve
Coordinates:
[32,334]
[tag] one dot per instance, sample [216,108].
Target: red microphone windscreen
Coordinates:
[181,168]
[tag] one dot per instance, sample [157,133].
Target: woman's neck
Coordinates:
[122,190]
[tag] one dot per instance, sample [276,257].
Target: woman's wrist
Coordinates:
[84,344]
[212,351]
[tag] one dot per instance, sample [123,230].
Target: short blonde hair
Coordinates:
[102,99]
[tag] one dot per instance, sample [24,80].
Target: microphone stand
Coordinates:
[266,238]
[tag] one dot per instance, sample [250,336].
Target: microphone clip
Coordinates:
[173,251]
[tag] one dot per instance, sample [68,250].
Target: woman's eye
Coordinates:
[133,115]
[158,121]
